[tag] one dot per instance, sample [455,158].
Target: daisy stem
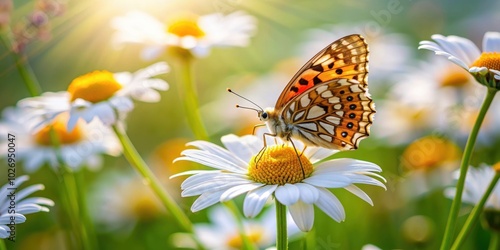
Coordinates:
[247,244]
[2,245]
[21,62]
[138,163]
[187,93]
[72,199]
[478,209]
[281,229]
[494,241]
[464,165]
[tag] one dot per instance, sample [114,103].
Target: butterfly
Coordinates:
[326,103]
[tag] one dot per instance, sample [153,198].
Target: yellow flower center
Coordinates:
[490,60]
[145,207]
[42,137]
[429,152]
[455,77]
[94,87]
[279,164]
[496,167]
[237,243]
[186,27]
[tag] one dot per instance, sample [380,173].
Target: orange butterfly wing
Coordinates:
[346,58]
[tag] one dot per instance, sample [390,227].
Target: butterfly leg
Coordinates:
[261,151]
[303,150]
[298,156]
[256,126]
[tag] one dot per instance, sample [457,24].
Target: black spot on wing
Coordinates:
[303,81]
[316,80]
[318,68]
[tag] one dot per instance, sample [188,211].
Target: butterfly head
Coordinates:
[266,114]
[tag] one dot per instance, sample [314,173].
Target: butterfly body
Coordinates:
[326,103]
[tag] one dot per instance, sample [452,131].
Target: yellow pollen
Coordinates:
[42,137]
[455,77]
[279,164]
[186,27]
[429,152]
[237,243]
[94,87]
[490,60]
[496,167]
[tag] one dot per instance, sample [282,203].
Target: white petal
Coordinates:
[220,152]
[363,179]
[29,190]
[303,215]
[330,205]
[346,165]
[18,218]
[211,160]
[244,147]
[459,47]
[360,193]
[238,190]
[328,180]
[37,200]
[31,208]
[315,154]
[221,182]
[234,29]
[191,172]
[205,200]
[4,232]
[491,42]
[459,50]
[256,199]
[211,176]
[288,194]
[308,193]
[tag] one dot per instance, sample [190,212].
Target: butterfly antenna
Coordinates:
[243,107]
[248,100]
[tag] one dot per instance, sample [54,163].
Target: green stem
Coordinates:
[281,229]
[187,93]
[81,197]
[247,244]
[464,165]
[494,241]
[2,245]
[24,69]
[74,206]
[138,163]
[478,209]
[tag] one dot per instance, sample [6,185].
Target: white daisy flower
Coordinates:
[121,201]
[429,162]
[436,95]
[13,203]
[275,171]
[102,94]
[195,34]
[476,183]
[484,66]
[223,231]
[82,146]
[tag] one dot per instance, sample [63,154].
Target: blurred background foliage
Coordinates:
[79,42]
